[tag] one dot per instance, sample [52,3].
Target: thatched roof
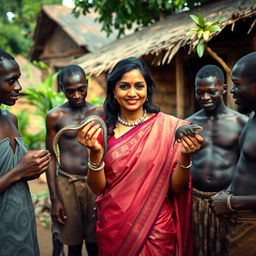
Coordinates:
[164,39]
[85,31]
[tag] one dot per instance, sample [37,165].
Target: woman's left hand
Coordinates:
[191,143]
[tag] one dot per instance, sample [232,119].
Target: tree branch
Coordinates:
[215,56]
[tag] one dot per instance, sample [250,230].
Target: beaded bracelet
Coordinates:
[229,203]
[185,167]
[95,167]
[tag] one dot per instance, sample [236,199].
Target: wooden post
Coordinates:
[179,87]
[230,101]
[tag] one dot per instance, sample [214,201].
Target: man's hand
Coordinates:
[58,212]
[33,164]
[218,204]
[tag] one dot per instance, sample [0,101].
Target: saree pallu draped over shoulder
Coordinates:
[134,215]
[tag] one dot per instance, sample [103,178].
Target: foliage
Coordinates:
[13,40]
[124,14]
[42,95]
[16,33]
[203,31]
[97,100]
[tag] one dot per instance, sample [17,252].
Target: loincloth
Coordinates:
[242,234]
[209,231]
[80,208]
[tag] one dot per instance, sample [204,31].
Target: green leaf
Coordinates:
[192,30]
[214,28]
[201,20]
[200,49]
[195,19]
[206,35]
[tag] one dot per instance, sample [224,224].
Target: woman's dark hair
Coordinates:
[111,106]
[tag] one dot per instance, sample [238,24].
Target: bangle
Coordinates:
[93,164]
[185,167]
[229,203]
[96,167]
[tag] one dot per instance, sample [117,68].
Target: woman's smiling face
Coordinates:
[131,91]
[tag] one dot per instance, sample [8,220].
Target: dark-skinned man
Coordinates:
[213,165]
[17,216]
[238,202]
[73,206]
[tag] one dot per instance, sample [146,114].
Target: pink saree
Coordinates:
[134,215]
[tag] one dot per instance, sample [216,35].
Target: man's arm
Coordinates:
[31,166]
[219,203]
[57,207]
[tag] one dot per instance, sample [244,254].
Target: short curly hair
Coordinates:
[211,70]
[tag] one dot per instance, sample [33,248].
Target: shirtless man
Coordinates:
[72,201]
[17,216]
[213,165]
[239,201]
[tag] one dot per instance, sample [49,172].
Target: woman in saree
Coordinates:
[141,167]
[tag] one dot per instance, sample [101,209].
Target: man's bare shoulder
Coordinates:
[198,116]
[57,112]
[8,115]
[241,118]
[95,110]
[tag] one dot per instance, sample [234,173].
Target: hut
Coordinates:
[60,38]
[165,47]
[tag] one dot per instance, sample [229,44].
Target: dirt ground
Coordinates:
[44,234]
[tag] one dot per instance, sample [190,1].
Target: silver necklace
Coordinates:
[142,119]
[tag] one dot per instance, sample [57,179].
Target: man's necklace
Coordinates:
[142,119]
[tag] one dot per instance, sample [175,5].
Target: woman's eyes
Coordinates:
[124,86]
[140,86]
[128,86]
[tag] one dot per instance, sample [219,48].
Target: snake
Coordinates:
[184,130]
[77,127]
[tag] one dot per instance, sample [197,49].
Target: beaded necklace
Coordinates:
[142,119]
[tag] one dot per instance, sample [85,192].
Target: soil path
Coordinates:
[44,234]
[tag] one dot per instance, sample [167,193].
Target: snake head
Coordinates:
[185,130]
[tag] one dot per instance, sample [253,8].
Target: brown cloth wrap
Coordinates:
[242,234]
[209,231]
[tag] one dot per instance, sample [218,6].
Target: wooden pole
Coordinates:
[179,87]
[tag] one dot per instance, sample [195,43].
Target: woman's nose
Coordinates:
[132,92]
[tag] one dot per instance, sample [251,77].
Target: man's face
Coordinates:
[9,82]
[244,91]
[208,92]
[75,89]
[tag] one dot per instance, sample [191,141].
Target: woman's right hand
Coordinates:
[88,138]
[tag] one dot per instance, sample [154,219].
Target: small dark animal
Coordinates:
[184,130]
